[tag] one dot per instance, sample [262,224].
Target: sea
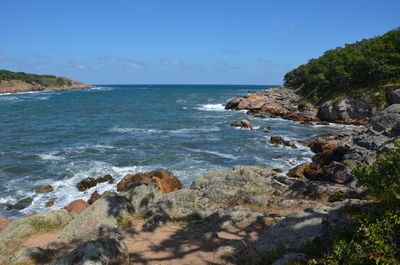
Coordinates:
[59,138]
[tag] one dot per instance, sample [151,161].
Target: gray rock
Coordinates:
[142,197]
[24,227]
[388,119]
[309,225]
[100,218]
[292,258]
[96,252]
[395,97]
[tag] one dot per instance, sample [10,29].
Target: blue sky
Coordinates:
[181,41]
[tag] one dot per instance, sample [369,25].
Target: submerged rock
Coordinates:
[45,189]
[22,204]
[243,124]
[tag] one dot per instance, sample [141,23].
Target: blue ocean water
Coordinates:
[62,137]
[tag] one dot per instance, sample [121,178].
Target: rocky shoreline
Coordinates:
[233,216]
[18,86]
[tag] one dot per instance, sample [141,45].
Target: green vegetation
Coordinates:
[43,80]
[364,66]
[44,225]
[375,237]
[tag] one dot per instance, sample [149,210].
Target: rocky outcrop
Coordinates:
[88,183]
[23,227]
[308,226]
[165,181]
[352,110]
[388,120]
[277,102]
[277,140]
[97,252]
[17,86]
[245,124]
[100,218]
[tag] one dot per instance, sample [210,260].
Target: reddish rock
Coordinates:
[305,143]
[45,189]
[323,123]
[243,124]
[313,171]
[91,182]
[320,145]
[164,180]
[77,206]
[94,197]
[4,222]
[307,123]
[49,203]
[298,172]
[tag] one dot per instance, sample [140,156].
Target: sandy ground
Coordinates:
[172,243]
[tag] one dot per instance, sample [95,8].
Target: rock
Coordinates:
[165,181]
[243,124]
[307,226]
[322,123]
[348,110]
[298,171]
[94,197]
[157,219]
[305,143]
[77,206]
[91,182]
[289,143]
[234,185]
[277,140]
[45,189]
[395,97]
[252,102]
[97,252]
[22,204]
[4,222]
[27,226]
[49,203]
[313,171]
[307,123]
[388,120]
[292,258]
[320,145]
[142,197]
[100,218]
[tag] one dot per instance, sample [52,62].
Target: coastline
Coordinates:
[16,86]
[302,188]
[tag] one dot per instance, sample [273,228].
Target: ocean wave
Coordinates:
[132,129]
[211,107]
[228,156]
[50,156]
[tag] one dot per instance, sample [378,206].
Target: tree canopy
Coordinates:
[43,80]
[362,65]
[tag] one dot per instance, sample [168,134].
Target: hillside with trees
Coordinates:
[364,66]
[12,82]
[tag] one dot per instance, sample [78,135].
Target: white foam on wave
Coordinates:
[50,156]
[211,107]
[133,130]
[228,156]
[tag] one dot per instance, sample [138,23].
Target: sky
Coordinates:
[181,41]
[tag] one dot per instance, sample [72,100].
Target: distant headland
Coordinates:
[15,82]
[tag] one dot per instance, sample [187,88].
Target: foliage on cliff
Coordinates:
[375,239]
[363,65]
[42,80]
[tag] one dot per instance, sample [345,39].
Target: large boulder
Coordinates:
[97,252]
[251,102]
[142,197]
[26,226]
[101,217]
[165,181]
[236,184]
[307,226]
[395,97]
[77,206]
[388,120]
